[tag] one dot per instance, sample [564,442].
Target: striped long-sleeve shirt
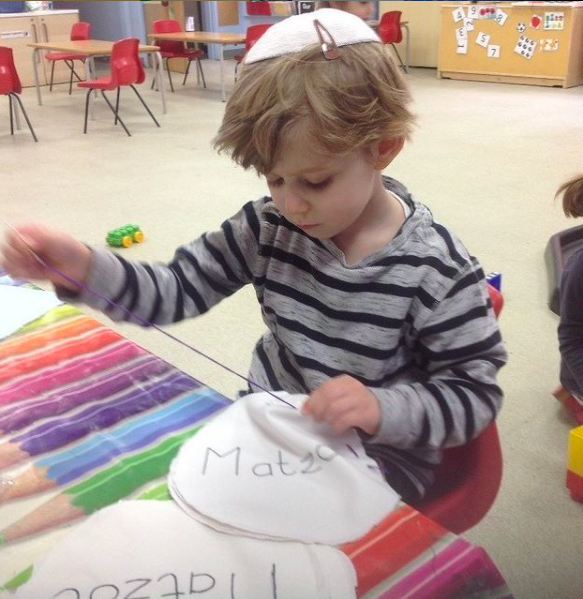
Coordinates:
[412,322]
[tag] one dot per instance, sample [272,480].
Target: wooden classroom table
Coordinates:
[91,49]
[88,418]
[221,39]
[552,54]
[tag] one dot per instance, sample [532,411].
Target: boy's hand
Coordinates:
[343,403]
[58,249]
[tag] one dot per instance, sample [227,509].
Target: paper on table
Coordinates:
[288,476]
[21,305]
[152,549]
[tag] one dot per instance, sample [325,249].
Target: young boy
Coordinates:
[373,309]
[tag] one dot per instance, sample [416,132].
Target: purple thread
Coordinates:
[146,323]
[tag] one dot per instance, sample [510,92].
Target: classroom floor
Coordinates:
[486,158]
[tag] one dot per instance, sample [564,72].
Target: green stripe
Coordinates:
[159,493]
[19,579]
[54,315]
[127,475]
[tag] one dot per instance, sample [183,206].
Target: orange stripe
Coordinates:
[397,540]
[58,353]
[37,339]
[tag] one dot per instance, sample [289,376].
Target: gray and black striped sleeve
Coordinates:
[459,351]
[200,275]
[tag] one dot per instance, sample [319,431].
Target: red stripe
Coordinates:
[57,353]
[38,339]
[396,541]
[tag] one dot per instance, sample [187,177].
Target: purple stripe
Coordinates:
[17,417]
[73,370]
[62,431]
[470,574]
[108,453]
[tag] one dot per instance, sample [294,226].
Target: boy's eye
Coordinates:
[319,184]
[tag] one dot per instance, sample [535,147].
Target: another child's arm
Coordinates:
[571,324]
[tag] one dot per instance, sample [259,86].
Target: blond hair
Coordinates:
[348,104]
[572,191]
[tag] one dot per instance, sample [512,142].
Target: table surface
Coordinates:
[201,37]
[67,363]
[87,47]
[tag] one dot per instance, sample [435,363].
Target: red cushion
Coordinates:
[183,54]
[104,83]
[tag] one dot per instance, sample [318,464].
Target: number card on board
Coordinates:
[458,14]
[483,39]
[500,17]
[493,51]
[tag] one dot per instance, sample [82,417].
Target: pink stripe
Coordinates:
[68,372]
[460,569]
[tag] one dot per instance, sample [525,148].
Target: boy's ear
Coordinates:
[386,151]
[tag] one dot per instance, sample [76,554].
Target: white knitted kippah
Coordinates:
[296,33]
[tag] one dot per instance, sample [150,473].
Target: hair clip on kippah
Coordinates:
[329,49]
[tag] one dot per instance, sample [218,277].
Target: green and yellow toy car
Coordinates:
[125,236]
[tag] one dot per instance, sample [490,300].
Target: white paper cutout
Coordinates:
[554,21]
[21,305]
[461,33]
[462,47]
[152,549]
[493,51]
[525,47]
[458,14]
[500,17]
[483,39]
[469,24]
[473,12]
[521,27]
[288,476]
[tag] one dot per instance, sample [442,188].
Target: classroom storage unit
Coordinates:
[535,43]
[17,30]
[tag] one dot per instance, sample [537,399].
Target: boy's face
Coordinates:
[364,10]
[321,195]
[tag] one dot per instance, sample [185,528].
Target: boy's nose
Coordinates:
[294,204]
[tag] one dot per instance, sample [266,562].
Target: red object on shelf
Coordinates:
[258,7]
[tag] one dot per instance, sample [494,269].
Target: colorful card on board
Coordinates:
[525,47]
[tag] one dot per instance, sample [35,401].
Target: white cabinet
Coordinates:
[17,31]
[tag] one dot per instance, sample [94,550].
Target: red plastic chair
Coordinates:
[126,69]
[468,479]
[170,49]
[390,31]
[254,32]
[79,31]
[10,86]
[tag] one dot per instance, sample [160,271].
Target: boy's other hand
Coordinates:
[58,249]
[343,403]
